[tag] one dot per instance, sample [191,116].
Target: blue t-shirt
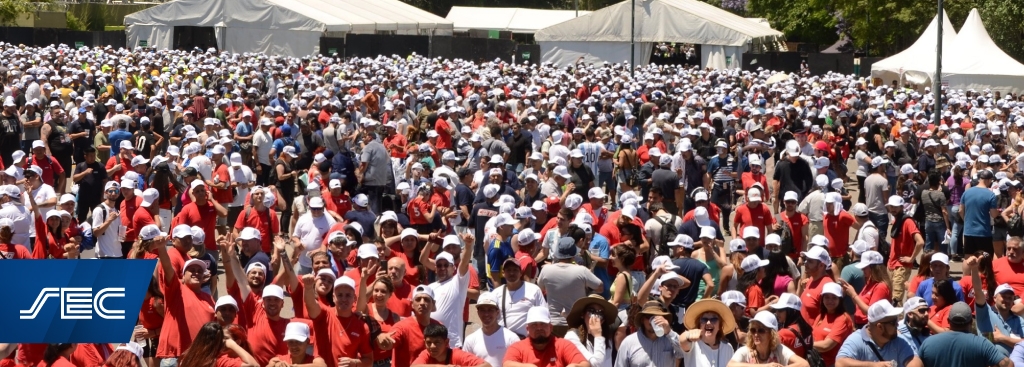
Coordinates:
[599,246]
[978,201]
[279,145]
[988,318]
[365,218]
[924,290]
[693,270]
[858,346]
[957,349]
[497,252]
[115,139]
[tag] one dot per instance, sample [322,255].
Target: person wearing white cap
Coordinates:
[755,214]
[254,286]
[663,223]
[816,263]
[876,193]
[878,341]
[837,223]
[939,266]
[309,231]
[187,307]
[202,212]
[297,337]
[492,340]
[866,230]
[558,178]
[999,318]
[21,217]
[241,179]
[793,173]
[906,244]
[541,340]
[340,321]
[812,205]
[52,172]
[452,284]
[833,325]
[89,175]
[263,143]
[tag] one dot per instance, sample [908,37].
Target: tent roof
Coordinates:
[516,20]
[977,54]
[352,16]
[686,21]
[917,62]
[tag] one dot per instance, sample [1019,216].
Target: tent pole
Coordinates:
[632,40]
[937,88]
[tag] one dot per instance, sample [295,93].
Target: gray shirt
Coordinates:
[873,187]
[637,350]
[378,164]
[564,284]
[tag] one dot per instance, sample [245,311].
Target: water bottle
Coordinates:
[658,331]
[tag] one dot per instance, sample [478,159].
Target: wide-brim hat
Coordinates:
[575,317]
[728,323]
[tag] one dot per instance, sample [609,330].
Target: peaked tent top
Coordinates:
[917,62]
[978,54]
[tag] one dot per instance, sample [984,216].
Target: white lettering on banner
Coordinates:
[77,303]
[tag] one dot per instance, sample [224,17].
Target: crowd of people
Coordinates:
[592,215]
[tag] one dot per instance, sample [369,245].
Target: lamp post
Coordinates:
[937,88]
[632,39]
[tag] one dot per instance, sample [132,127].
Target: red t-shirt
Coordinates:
[203,216]
[185,313]
[558,353]
[444,135]
[439,199]
[287,358]
[837,231]
[791,341]
[398,144]
[148,316]
[337,336]
[872,292]
[417,209]
[809,300]
[749,179]
[755,299]
[836,327]
[90,355]
[714,213]
[1009,273]
[60,362]
[12,251]
[600,216]
[126,166]
[903,245]
[51,168]
[30,354]
[796,224]
[165,202]
[760,217]
[340,204]
[455,357]
[222,196]
[266,222]
[939,316]
[299,302]
[266,336]
[401,299]
[128,208]
[46,245]
[408,336]
[526,261]
[140,219]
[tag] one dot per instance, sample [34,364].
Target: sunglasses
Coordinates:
[705,320]
[757,330]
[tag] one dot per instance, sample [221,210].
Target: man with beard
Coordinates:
[341,334]
[541,348]
[492,340]
[648,346]
[878,341]
[517,297]
[261,304]
[960,346]
[187,307]
[1000,325]
[406,336]
[914,326]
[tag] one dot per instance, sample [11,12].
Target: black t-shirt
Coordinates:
[10,137]
[518,146]
[582,177]
[667,180]
[79,126]
[478,217]
[92,184]
[463,196]
[691,269]
[793,177]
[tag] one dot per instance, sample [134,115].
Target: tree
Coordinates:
[12,10]
[801,20]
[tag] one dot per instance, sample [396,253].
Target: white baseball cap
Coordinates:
[787,300]
[296,331]
[767,319]
[150,197]
[538,314]
[869,258]
[731,297]
[832,288]
[881,310]
[752,263]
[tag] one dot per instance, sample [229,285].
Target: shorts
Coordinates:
[974,244]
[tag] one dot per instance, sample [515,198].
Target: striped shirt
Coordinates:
[636,350]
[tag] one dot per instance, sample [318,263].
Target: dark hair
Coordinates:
[576,233]
[206,346]
[747,280]
[656,190]
[53,352]
[89,149]
[777,266]
[625,254]
[794,317]
[944,289]
[926,258]
[163,179]
[934,180]
[386,282]
[435,331]
[987,273]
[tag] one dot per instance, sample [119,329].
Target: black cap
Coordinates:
[190,171]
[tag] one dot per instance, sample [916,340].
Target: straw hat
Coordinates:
[575,317]
[728,323]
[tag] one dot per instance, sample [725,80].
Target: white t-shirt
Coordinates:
[203,164]
[449,297]
[781,355]
[108,244]
[600,357]
[490,348]
[558,150]
[263,142]
[311,232]
[23,222]
[516,304]
[701,355]
[243,176]
[41,194]
[591,154]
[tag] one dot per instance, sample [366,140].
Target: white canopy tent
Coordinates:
[978,63]
[515,20]
[916,64]
[604,35]
[281,27]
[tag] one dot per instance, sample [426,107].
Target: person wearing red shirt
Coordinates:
[10,250]
[400,301]
[336,200]
[701,200]
[797,222]
[260,216]
[51,241]
[600,216]
[203,212]
[325,278]
[123,160]
[837,223]
[907,242]
[91,354]
[53,173]
[1009,269]
[817,260]
[395,142]
[833,325]
[220,184]
[187,307]
[129,204]
[756,214]
[755,175]
[407,336]
[341,334]
[146,214]
[421,212]
[367,254]
[875,287]
[541,348]
[296,336]
[58,355]
[439,353]
[444,131]
[643,152]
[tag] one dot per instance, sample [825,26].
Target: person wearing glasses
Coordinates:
[878,341]
[914,326]
[704,344]
[762,346]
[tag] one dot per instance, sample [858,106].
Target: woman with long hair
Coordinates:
[213,342]
[957,184]
[832,325]
[731,273]
[708,322]
[58,355]
[923,272]
[943,297]
[794,332]
[590,329]
[777,278]
[877,286]
[622,291]
[10,250]
[762,346]
[750,284]
[167,185]
[377,306]
[986,274]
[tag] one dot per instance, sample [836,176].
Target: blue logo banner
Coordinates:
[72,301]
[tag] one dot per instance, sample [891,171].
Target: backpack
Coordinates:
[787,236]
[668,233]
[88,238]
[812,356]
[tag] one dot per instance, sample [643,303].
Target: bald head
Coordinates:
[396,270]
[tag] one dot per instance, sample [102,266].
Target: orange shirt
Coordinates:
[835,327]
[558,353]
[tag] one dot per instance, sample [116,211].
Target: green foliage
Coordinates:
[95,18]
[11,10]
[801,20]
[76,24]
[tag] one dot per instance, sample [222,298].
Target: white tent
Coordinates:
[516,20]
[282,27]
[604,35]
[916,64]
[978,63]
